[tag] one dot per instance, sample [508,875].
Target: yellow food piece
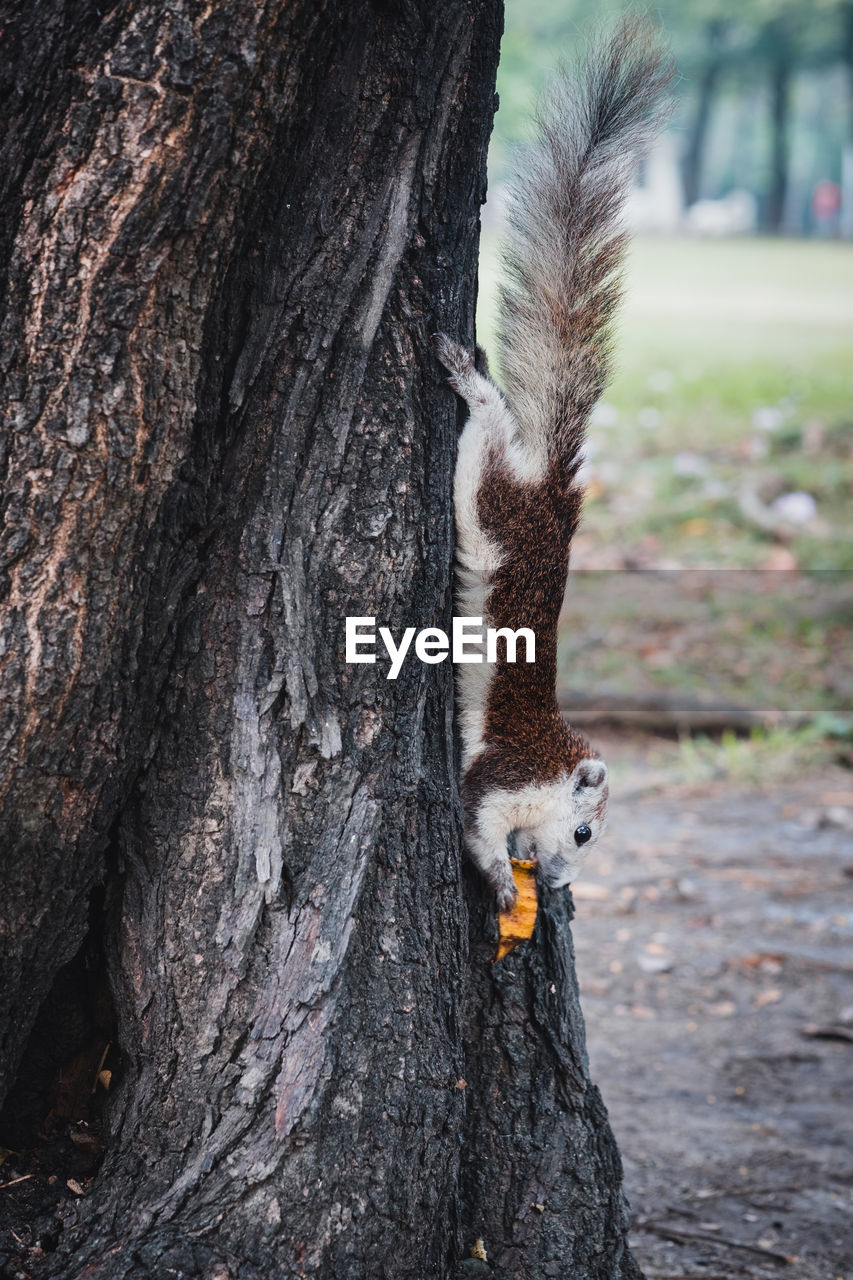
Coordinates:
[517,925]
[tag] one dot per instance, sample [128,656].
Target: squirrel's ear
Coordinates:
[589,775]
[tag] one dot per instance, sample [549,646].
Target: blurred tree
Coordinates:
[775,46]
[846,49]
[742,40]
[707,81]
[724,48]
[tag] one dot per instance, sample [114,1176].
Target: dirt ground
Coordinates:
[714,940]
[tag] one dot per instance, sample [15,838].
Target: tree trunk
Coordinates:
[846,16]
[707,87]
[845,227]
[228,233]
[780,103]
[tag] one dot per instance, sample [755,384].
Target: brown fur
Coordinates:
[529,741]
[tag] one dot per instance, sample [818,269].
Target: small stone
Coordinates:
[796,508]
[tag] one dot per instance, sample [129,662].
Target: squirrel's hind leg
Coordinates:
[490,428]
[469,377]
[491,421]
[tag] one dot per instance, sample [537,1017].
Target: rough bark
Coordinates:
[541,1175]
[228,232]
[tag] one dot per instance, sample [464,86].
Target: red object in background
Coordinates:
[826,200]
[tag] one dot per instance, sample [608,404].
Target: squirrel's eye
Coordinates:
[582,834]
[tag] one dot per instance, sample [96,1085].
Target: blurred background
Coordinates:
[706,639]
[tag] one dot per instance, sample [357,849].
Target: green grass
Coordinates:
[754,763]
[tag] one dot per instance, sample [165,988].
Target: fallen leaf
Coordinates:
[771,961]
[596,987]
[772,996]
[82,1138]
[588,891]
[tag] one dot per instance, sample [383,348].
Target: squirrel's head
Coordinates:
[565,822]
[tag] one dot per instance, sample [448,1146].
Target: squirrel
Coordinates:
[517,498]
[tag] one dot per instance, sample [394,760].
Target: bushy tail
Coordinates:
[565,242]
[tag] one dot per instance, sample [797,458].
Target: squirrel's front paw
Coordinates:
[501,880]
